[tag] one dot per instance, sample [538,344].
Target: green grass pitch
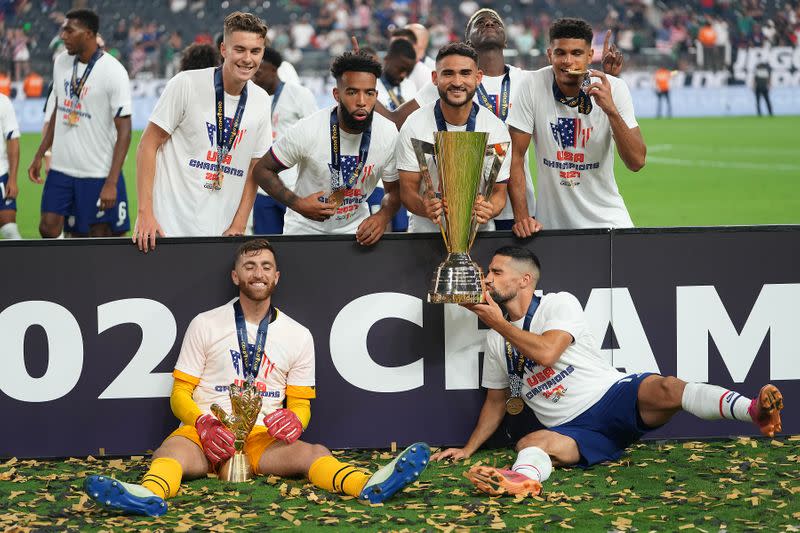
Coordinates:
[699,172]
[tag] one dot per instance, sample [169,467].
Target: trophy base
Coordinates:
[236,469]
[458,280]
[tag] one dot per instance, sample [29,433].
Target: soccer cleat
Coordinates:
[397,474]
[765,410]
[497,482]
[125,497]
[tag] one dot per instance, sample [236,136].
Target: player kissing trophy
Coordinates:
[461,163]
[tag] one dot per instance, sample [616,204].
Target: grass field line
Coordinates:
[737,165]
[760,151]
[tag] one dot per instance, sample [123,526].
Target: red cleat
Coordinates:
[765,410]
[496,482]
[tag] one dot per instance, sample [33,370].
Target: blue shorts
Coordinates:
[399,220]
[11,203]
[66,196]
[268,216]
[504,225]
[609,426]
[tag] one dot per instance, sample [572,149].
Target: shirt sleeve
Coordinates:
[192,358]
[522,113]
[427,95]
[622,99]
[10,125]
[290,149]
[120,93]
[500,135]
[264,135]
[389,172]
[495,370]
[170,109]
[404,153]
[564,312]
[308,104]
[50,104]
[301,373]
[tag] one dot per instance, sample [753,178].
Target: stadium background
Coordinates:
[700,170]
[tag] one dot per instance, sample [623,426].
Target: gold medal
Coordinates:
[72,118]
[337,197]
[577,72]
[514,405]
[220,178]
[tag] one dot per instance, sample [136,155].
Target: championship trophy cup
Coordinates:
[460,160]
[245,408]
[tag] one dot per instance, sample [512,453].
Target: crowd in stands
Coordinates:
[148,36]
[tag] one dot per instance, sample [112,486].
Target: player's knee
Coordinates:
[48,230]
[671,391]
[316,451]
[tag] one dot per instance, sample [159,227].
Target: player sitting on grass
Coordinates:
[541,349]
[209,361]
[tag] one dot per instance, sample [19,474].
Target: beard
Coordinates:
[257,295]
[351,123]
[500,298]
[470,95]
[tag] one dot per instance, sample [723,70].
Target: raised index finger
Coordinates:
[606,41]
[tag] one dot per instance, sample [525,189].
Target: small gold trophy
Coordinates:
[245,408]
[460,158]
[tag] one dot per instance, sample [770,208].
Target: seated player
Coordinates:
[212,358]
[542,350]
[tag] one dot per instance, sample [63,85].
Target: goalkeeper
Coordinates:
[540,353]
[210,360]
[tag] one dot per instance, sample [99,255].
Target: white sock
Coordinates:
[10,231]
[711,402]
[534,463]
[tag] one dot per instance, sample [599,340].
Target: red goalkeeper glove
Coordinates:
[284,425]
[217,440]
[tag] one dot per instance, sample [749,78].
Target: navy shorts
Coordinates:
[609,426]
[79,197]
[6,204]
[399,220]
[504,225]
[268,216]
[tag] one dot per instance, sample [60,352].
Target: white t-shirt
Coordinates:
[421,75]
[493,87]
[574,155]
[211,346]
[574,383]
[421,124]
[8,128]
[308,145]
[85,150]
[407,90]
[185,202]
[294,103]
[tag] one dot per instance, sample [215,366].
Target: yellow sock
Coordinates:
[164,477]
[330,474]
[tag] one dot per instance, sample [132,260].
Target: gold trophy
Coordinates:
[245,408]
[460,158]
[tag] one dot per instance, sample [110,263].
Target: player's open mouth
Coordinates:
[245,70]
[360,116]
[259,285]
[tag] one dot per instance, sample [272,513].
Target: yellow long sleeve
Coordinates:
[298,401]
[181,400]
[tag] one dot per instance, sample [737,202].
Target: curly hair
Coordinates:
[457,48]
[571,28]
[354,62]
[198,56]
[238,21]
[478,13]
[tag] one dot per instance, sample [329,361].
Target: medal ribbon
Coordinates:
[394,94]
[583,102]
[502,105]
[276,96]
[336,154]
[515,360]
[225,142]
[441,125]
[251,364]
[76,85]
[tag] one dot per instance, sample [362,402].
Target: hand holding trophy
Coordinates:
[245,408]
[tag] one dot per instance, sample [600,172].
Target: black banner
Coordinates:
[91,329]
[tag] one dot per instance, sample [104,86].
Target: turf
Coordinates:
[734,485]
[699,172]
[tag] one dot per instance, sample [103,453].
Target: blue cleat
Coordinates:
[125,497]
[394,476]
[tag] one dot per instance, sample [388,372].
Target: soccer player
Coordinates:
[208,129]
[540,353]
[577,121]
[394,87]
[456,78]
[9,165]
[421,75]
[235,343]
[198,56]
[340,152]
[90,132]
[290,103]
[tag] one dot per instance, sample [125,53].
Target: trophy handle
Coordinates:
[421,149]
[499,151]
